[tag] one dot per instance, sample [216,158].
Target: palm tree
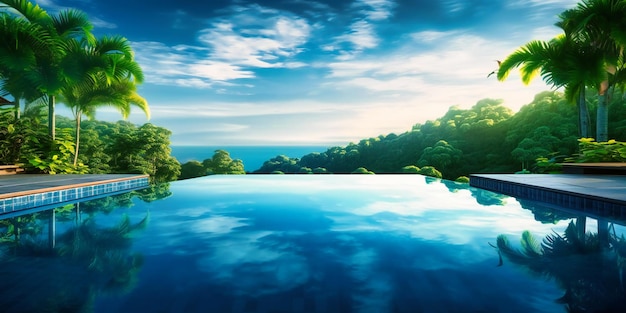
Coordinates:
[42,67]
[561,63]
[19,41]
[107,75]
[600,26]
[119,94]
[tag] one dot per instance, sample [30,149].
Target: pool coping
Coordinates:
[27,191]
[602,195]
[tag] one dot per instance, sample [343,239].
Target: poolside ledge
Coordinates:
[28,191]
[603,195]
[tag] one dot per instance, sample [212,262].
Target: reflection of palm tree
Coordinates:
[105,251]
[87,259]
[588,271]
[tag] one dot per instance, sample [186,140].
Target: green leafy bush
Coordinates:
[59,159]
[592,151]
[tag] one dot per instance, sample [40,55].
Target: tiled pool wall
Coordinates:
[587,204]
[72,194]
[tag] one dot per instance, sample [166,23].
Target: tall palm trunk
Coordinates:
[583,115]
[602,120]
[78,114]
[51,118]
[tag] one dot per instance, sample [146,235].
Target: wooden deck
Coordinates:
[10,169]
[27,191]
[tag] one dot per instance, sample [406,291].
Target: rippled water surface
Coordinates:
[304,243]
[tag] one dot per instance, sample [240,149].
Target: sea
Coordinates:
[253,157]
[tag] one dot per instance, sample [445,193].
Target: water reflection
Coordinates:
[281,244]
[587,266]
[59,260]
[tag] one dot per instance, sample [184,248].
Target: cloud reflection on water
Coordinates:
[372,242]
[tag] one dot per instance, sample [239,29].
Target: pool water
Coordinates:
[308,243]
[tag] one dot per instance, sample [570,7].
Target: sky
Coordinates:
[316,72]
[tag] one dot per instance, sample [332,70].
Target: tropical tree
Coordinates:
[108,75]
[221,163]
[600,27]
[18,43]
[561,63]
[42,42]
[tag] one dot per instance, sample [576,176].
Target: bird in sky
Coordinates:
[496,70]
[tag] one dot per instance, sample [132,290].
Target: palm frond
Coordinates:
[73,23]
[31,12]
[530,57]
[530,246]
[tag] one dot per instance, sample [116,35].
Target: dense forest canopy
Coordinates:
[487,138]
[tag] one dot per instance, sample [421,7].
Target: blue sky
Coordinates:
[329,72]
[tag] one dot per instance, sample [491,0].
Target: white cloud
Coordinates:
[375,10]
[453,71]
[251,39]
[361,33]
[556,3]
[429,36]
[361,36]
[244,109]
[181,66]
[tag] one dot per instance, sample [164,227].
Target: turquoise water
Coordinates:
[252,156]
[290,243]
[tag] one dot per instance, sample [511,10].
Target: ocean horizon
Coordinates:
[252,157]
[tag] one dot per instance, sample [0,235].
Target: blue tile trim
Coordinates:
[592,205]
[67,195]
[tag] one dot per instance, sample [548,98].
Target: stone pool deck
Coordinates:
[27,191]
[603,195]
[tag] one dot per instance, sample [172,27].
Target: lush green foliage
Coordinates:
[123,147]
[487,138]
[45,56]
[59,157]
[220,163]
[610,151]
[120,147]
[25,141]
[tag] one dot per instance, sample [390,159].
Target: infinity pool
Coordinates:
[309,243]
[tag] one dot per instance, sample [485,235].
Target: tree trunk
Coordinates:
[51,118]
[583,116]
[602,120]
[78,114]
[16,104]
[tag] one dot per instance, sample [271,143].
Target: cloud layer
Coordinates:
[324,72]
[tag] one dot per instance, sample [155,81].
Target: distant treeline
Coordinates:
[488,138]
